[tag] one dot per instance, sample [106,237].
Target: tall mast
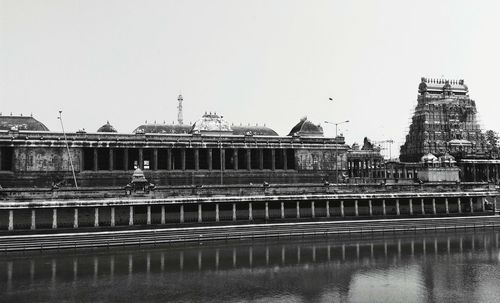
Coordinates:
[180,119]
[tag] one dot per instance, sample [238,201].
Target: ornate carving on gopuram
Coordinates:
[445,120]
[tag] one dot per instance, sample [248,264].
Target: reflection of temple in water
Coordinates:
[310,270]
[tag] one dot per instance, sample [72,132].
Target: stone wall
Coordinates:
[42,159]
[320,160]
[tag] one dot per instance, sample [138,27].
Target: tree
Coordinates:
[492,139]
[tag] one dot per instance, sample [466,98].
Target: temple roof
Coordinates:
[306,128]
[438,86]
[254,130]
[211,123]
[21,123]
[163,129]
[107,128]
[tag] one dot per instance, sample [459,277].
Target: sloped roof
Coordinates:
[307,129]
[254,130]
[163,129]
[21,123]
[107,128]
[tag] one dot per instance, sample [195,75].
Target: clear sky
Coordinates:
[258,61]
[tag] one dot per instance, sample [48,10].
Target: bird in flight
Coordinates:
[331,99]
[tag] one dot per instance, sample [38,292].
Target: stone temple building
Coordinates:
[444,121]
[210,151]
[444,124]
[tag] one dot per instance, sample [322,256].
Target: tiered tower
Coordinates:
[444,121]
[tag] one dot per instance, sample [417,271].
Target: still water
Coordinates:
[456,267]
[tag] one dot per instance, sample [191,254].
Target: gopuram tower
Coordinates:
[444,121]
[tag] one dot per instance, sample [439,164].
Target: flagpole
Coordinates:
[67,148]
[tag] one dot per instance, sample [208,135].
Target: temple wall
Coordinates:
[45,159]
[435,174]
[322,160]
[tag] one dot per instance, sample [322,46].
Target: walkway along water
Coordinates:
[249,232]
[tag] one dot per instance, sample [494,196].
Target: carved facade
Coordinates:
[445,120]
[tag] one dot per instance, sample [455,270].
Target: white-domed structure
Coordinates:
[211,124]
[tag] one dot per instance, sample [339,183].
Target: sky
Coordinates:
[260,62]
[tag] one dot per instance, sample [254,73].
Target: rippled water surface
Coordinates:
[461,267]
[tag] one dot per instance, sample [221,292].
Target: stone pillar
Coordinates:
[125,159]
[422,204]
[496,174]
[111,161]
[282,210]
[249,159]
[313,210]
[169,159]
[356,208]
[285,159]
[384,209]
[112,223]
[250,212]
[181,214]
[273,159]
[209,155]
[410,202]
[459,203]
[487,168]
[200,213]
[141,159]
[471,203]
[1,159]
[96,160]
[54,218]
[163,216]
[235,159]
[33,219]
[223,159]
[398,212]
[266,211]
[11,219]
[261,159]
[434,206]
[148,215]
[217,212]
[298,210]
[474,173]
[370,207]
[183,159]
[342,213]
[196,159]
[131,216]
[446,206]
[328,209]
[75,218]
[234,212]
[155,158]
[483,209]
[96,217]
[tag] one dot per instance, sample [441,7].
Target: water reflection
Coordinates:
[431,268]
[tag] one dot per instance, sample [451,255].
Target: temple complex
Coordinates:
[211,151]
[214,171]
